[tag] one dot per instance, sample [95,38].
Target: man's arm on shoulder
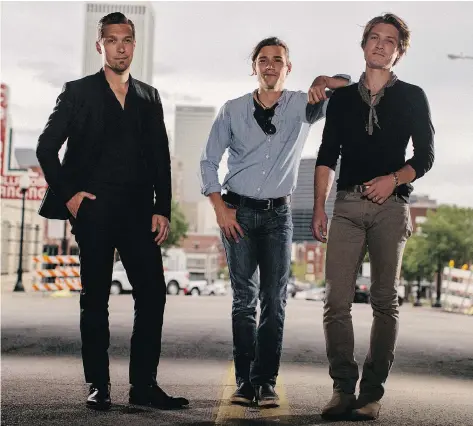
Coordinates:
[318,95]
[50,142]
[162,183]
[422,139]
[218,141]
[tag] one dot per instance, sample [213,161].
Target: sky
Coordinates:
[201,57]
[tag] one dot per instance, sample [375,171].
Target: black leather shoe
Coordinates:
[154,396]
[266,396]
[99,397]
[244,395]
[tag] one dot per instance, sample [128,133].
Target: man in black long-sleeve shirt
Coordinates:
[114,185]
[369,125]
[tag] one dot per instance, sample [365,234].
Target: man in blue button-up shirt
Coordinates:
[264,132]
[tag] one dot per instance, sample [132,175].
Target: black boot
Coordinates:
[266,396]
[154,396]
[244,395]
[99,397]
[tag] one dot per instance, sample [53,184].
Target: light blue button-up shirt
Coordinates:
[259,165]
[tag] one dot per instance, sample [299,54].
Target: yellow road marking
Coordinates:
[226,410]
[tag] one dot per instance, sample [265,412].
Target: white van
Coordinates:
[175,280]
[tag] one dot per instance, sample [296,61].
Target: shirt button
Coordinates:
[266,157]
[264,172]
[258,189]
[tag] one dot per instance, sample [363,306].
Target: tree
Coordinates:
[416,262]
[449,234]
[446,235]
[179,227]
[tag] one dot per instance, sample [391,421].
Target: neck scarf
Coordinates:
[366,96]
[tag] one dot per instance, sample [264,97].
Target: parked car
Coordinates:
[362,291]
[175,280]
[195,287]
[216,288]
[316,294]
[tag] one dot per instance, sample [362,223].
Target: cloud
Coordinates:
[179,97]
[49,72]
[160,68]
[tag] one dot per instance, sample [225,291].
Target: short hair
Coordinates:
[270,41]
[113,18]
[396,21]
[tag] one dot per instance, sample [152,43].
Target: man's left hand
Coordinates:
[317,90]
[161,224]
[380,189]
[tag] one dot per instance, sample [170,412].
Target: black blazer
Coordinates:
[78,117]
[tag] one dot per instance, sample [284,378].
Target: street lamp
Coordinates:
[460,56]
[24,185]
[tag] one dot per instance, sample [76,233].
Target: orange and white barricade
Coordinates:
[55,273]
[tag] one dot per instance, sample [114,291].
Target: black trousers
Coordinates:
[120,218]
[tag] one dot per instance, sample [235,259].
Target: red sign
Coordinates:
[11,190]
[3,123]
[10,180]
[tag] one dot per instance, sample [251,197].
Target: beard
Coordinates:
[119,67]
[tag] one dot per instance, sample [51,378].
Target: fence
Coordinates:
[457,290]
[56,273]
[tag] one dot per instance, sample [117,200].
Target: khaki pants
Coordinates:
[358,225]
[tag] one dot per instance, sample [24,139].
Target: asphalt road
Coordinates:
[42,384]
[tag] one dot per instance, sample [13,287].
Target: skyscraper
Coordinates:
[192,129]
[303,200]
[141,13]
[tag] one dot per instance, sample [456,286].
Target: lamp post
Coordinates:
[460,56]
[24,185]
[64,242]
[438,303]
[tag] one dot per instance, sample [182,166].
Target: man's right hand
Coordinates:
[74,203]
[226,219]
[319,224]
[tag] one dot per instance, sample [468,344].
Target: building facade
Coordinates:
[192,129]
[141,13]
[303,200]
[419,206]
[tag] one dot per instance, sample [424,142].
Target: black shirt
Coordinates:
[121,160]
[263,117]
[403,112]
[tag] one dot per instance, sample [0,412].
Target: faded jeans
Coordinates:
[358,225]
[267,245]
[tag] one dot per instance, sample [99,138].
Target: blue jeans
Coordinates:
[266,244]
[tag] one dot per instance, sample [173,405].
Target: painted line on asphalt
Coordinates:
[227,411]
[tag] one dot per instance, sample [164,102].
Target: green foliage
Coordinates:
[446,235]
[179,227]
[299,270]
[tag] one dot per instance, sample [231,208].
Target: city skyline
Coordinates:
[196,67]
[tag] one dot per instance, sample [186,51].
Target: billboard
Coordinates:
[10,177]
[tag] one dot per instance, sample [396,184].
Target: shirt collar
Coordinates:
[281,101]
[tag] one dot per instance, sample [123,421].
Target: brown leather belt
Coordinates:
[255,203]
[362,188]
[355,188]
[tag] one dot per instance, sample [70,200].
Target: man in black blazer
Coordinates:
[114,185]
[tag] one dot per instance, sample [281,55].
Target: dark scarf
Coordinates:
[365,95]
